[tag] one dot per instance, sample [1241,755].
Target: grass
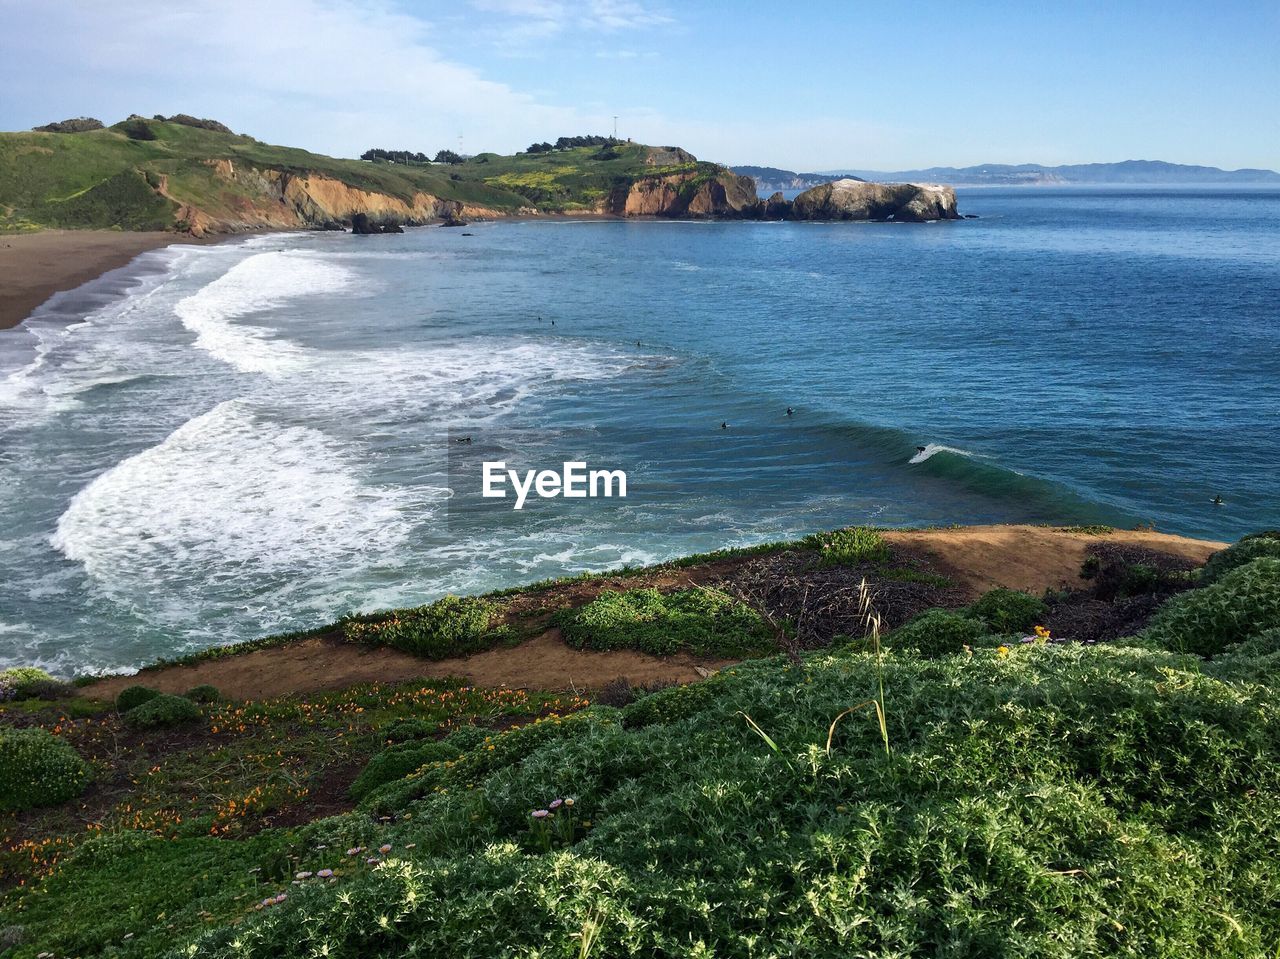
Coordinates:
[698,620]
[104,179]
[895,798]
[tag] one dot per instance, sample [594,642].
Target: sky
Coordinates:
[800,85]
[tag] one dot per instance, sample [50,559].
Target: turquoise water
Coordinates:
[221,442]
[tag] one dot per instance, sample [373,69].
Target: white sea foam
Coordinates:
[262,282]
[229,494]
[932,449]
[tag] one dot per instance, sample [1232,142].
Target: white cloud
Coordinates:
[332,75]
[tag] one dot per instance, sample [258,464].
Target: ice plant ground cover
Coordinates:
[1036,799]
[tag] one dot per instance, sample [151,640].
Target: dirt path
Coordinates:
[541,663]
[1031,558]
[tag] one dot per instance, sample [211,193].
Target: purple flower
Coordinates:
[385,848]
[555,804]
[541,813]
[325,873]
[303,875]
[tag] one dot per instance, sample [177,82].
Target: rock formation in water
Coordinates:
[858,200]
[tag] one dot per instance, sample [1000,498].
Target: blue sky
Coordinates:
[802,85]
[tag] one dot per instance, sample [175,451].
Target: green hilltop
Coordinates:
[163,175]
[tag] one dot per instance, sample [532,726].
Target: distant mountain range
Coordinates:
[1150,172]
[770,179]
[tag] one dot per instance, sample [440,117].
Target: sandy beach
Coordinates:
[35,266]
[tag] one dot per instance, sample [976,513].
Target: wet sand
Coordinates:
[35,266]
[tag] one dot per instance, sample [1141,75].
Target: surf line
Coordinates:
[574,481]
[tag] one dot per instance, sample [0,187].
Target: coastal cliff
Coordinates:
[197,177]
[696,193]
[254,199]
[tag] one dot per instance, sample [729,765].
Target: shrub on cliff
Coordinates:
[698,620]
[451,626]
[851,546]
[1238,554]
[132,697]
[396,762]
[203,693]
[937,633]
[1008,610]
[162,711]
[136,128]
[38,769]
[28,682]
[1240,605]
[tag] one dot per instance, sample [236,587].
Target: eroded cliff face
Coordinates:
[688,194]
[857,200]
[254,199]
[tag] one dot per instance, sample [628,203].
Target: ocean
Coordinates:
[223,442]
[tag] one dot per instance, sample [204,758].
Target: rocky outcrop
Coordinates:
[697,193]
[857,200]
[74,125]
[253,199]
[362,225]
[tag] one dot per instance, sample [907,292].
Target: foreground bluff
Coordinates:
[856,200]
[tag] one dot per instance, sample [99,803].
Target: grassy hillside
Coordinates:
[104,178]
[954,787]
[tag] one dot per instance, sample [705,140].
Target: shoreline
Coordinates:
[36,266]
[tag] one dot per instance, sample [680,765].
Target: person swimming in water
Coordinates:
[724,425]
[1216,501]
[790,411]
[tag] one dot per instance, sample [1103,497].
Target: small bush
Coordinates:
[136,128]
[851,546]
[1008,610]
[701,621]
[407,730]
[162,710]
[451,626]
[27,682]
[396,762]
[131,697]
[38,769]
[937,633]
[1242,604]
[1233,557]
[203,693]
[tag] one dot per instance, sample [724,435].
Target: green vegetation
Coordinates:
[137,174]
[203,694]
[1238,606]
[1051,801]
[702,621]
[1238,554]
[1055,800]
[852,546]
[161,711]
[1008,610]
[451,626]
[131,697]
[182,829]
[938,633]
[38,769]
[27,682]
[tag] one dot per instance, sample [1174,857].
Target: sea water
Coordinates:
[226,441]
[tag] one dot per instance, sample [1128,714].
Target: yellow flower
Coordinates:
[1002,651]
